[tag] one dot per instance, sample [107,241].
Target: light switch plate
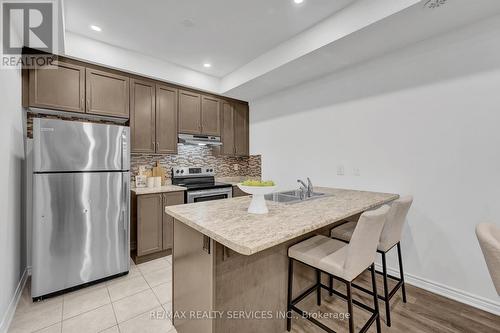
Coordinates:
[340,170]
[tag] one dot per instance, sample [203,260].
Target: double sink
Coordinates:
[294,196]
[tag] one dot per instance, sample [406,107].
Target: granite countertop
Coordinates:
[152,190]
[229,223]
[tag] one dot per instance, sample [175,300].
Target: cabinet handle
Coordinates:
[153,144]
[88,104]
[157,146]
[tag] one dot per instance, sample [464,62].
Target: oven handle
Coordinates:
[207,193]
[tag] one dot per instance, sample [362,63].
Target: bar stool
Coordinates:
[488,236]
[390,237]
[344,262]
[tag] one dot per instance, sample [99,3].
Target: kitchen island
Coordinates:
[230,267]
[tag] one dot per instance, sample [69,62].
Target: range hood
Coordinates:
[200,140]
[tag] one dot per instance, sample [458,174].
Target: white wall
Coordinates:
[87,49]
[424,121]
[12,230]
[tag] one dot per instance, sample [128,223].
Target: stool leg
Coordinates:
[349,307]
[375,297]
[318,287]
[386,292]
[403,289]
[331,285]
[290,288]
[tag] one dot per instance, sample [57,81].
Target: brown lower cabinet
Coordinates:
[151,227]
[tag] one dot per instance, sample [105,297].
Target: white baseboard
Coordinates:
[448,292]
[11,310]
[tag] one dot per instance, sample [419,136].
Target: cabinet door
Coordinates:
[241,129]
[149,224]
[170,199]
[227,129]
[107,93]
[210,115]
[61,88]
[142,116]
[189,112]
[166,119]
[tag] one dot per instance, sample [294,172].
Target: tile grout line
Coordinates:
[161,305]
[113,308]
[111,302]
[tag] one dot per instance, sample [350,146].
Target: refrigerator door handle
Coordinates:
[125,149]
[125,214]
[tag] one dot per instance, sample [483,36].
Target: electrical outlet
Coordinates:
[236,167]
[340,170]
[356,172]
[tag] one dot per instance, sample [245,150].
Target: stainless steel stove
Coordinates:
[200,183]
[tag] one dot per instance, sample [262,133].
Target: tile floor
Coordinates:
[127,304]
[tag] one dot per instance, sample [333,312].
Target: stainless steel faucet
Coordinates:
[306,190]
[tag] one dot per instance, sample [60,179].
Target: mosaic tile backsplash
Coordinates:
[192,156]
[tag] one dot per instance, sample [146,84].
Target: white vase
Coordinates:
[258,204]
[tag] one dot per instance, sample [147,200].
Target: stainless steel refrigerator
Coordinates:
[81,201]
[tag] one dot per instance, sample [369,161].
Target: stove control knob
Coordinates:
[208,170]
[211,170]
[177,171]
[182,171]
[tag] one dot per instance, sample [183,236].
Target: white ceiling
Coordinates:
[397,31]
[226,33]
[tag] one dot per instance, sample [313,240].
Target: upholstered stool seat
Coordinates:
[389,238]
[489,240]
[341,261]
[324,253]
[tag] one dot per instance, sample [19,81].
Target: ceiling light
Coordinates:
[298,1]
[95,28]
[207,65]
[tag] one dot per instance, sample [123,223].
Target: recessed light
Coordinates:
[298,1]
[95,28]
[207,65]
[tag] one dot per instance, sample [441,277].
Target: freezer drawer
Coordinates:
[80,229]
[61,145]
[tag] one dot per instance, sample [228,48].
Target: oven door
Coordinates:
[208,195]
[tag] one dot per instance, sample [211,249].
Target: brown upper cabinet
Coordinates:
[157,111]
[74,88]
[166,119]
[61,88]
[189,112]
[210,116]
[142,116]
[234,129]
[198,114]
[153,117]
[227,126]
[107,94]
[241,129]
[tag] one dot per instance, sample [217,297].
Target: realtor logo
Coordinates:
[28,24]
